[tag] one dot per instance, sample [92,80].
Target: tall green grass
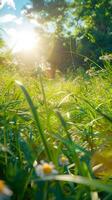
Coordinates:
[43,119]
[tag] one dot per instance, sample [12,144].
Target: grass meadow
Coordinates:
[56,135]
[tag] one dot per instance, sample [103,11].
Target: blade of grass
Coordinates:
[64,125]
[36,118]
[71,146]
[99,111]
[93,183]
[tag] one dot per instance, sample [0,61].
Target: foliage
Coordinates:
[56,134]
[78,28]
[95,33]
[5,55]
[71,117]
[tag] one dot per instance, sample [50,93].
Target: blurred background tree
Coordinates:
[5,54]
[71,28]
[95,31]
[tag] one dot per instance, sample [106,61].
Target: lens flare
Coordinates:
[24,41]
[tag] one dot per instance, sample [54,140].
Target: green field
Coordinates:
[66,121]
[55,99]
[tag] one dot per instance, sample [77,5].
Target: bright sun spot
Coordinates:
[24,41]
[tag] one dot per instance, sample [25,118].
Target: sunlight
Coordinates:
[24,41]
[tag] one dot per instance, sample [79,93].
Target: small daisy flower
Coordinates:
[63,161]
[45,169]
[4,190]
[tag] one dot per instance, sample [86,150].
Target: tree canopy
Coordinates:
[77,29]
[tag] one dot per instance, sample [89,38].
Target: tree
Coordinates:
[95,31]
[80,27]
[5,55]
[52,17]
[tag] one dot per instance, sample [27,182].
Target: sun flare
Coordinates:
[25,41]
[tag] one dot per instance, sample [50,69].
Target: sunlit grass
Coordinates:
[70,117]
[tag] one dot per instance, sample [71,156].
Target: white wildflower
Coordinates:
[45,169]
[63,161]
[4,190]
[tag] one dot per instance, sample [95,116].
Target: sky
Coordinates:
[12,20]
[18,5]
